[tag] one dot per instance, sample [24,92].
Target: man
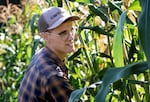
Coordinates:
[46,77]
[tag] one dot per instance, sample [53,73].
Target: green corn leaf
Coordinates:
[77,53]
[144,28]
[33,23]
[97,29]
[114,6]
[97,11]
[135,6]
[117,48]
[104,1]
[114,74]
[83,1]
[60,3]
[34,47]
[75,95]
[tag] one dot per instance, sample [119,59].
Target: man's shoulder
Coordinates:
[41,65]
[44,65]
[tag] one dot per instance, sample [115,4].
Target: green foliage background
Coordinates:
[112,57]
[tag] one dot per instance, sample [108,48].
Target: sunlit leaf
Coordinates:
[135,6]
[95,84]
[117,48]
[114,6]
[105,1]
[11,19]
[84,1]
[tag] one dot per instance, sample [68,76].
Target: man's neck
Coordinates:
[60,55]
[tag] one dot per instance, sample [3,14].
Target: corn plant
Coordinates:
[124,74]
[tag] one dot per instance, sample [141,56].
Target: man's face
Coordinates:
[61,39]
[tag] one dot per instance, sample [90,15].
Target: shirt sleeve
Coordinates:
[59,88]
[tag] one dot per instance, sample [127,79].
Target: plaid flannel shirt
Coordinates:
[45,79]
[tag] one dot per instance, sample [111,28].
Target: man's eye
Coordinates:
[63,33]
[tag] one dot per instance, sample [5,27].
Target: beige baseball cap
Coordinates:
[53,17]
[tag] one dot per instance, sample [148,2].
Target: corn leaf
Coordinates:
[135,6]
[75,95]
[75,54]
[97,11]
[84,1]
[144,28]
[114,74]
[117,48]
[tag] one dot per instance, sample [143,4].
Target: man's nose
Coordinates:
[71,35]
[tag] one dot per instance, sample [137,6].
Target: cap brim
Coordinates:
[62,20]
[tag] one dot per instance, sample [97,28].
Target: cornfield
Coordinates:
[112,58]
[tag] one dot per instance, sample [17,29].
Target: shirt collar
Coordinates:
[55,59]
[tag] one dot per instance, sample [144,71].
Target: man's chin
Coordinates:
[71,50]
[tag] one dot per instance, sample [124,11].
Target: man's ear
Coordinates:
[44,36]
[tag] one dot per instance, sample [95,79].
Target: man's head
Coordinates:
[53,17]
[56,28]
